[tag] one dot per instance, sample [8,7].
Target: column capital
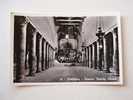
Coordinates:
[43,39]
[31,29]
[39,35]
[21,20]
[115,30]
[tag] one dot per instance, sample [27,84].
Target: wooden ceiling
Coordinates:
[68,21]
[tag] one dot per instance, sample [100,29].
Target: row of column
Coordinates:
[103,54]
[32,52]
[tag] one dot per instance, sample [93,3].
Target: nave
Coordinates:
[63,49]
[68,73]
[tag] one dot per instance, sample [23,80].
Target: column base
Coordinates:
[107,71]
[100,69]
[19,79]
[38,71]
[31,74]
[43,69]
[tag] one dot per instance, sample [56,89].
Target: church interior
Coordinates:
[66,49]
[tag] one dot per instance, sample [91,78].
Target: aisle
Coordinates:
[65,72]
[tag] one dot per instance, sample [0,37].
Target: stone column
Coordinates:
[95,55]
[52,57]
[116,51]
[32,49]
[49,52]
[100,35]
[109,51]
[43,53]
[91,56]
[46,56]
[82,56]
[88,56]
[105,54]
[20,27]
[85,56]
[39,52]
[101,54]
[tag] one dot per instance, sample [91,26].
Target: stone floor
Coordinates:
[69,73]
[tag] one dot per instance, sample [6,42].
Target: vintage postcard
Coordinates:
[66,49]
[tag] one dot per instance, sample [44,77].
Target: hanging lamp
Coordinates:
[100,32]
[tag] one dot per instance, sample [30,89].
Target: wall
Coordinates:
[50,7]
[90,25]
[46,27]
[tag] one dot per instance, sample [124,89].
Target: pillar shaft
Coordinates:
[43,54]
[20,46]
[101,54]
[50,56]
[105,53]
[32,49]
[39,52]
[46,54]
[83,59]
[95,55]
[83,56]
[91,56]
[88,56]
[109,51]
[116,51]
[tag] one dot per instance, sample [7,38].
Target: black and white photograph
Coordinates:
[66,49]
